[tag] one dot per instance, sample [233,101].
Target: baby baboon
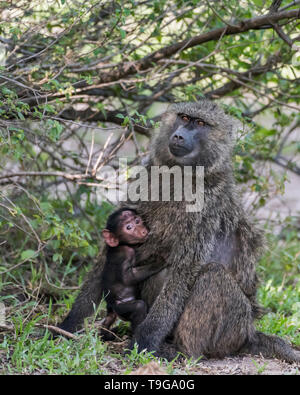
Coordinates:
[206,298]
[120,277]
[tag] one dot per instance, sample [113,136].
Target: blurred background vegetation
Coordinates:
[84,82]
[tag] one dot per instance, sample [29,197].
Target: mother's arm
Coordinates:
[185,267]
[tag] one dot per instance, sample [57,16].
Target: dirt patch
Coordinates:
[241,365]
[247,365]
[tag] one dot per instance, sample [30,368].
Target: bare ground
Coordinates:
[247,365]
[241,365]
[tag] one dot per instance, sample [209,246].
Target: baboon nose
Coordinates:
[177,138]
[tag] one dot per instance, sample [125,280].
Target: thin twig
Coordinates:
[6,328]
[25,260]
[282,35]
[293,3]
[91,153]
[45,174]
[60,288]
[95,168]
[107,330]
[25,219]
[61,332]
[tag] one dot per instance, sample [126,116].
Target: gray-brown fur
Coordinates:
[206,298]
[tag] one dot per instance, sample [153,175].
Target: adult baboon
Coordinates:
[205,300]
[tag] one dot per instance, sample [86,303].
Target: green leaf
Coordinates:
[123,33]
[57,257]
[28,254]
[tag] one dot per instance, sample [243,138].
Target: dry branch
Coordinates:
[260,22]
[4,328]
[72,177]
[61,331]
[121,72]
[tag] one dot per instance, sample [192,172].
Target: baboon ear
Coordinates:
[110,239]
[168,117]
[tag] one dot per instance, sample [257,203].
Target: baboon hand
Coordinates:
[143,344]
[146,337]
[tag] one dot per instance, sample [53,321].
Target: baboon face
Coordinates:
[124,227]
[189,135]
[196,133]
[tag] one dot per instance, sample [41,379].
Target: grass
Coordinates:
[26,349]
[28,352]
[279,291]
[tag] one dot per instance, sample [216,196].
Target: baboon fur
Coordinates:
[205,300]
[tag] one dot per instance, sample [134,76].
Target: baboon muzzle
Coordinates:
[180,143]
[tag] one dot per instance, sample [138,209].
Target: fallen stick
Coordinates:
[61,332]
[6,328]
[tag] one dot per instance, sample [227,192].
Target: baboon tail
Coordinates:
[89,297]
[271,347]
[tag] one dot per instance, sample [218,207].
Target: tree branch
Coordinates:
[98,116]
[243,77]
[282,35]
[72,177]
[275,5]
[263,21]
[293,3]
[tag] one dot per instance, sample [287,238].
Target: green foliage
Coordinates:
[260,368]
[87,356]
[280,287]
[136,358]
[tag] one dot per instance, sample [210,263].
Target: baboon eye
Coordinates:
[200,122]
[185,118]
[129,227]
